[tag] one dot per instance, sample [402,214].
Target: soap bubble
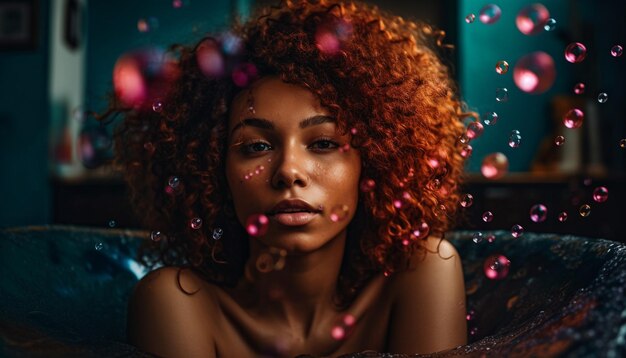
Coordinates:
[339,212]
[517,230]
[515,139]
[584,210]
[217,233]
[559,140]
[470,18]
[502,94]
[534,73]
[603,97]
[538,213]
[491,238]
[579,88]
[502,67]
[474,130]
[496,267]
[622,143]
[575,52]
[467,200]
[477,237]
[550,25]
[487,216]
[573,118]
[147,25]
[422,230]
[332,35]
[367,185]
[210,59]
[616,51]
[157,106]
[195,223]
[490,118]
[99,246]
[173,182]
[257,224]
[495,166]
[156,236]
[532,19]
[600,194]
[490,14]
[94,144]
[466,150]
[243,74]
[562,216]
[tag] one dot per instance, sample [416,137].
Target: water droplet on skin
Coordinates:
[585,210]
[470,18]
[257,225]
[496,267]
[603,97]
[517,231]
[489,14]
[502,67]
[616,51]
[490,118]
[502,94]
[467,200]
[487,216]
[538,213]
[195,223]
[575,52]
[495,166]
[532,19]
[573,118]
[600,194]
[559,140]
[579,88]
[550,25]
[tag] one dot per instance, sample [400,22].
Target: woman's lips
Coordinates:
[294,219]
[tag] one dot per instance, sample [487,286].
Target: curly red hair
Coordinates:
[387,84]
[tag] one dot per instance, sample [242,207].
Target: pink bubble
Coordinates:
[616,51]
[531,19]
[466,150]
[534,73]
[559,140]
[257,225]
[338,333]
[495,166]
[517,231]
[600,194]
[244,74]
[487,216]
[422,230]
[579,88]
[490,14]
[575,52]
[367,185]
[573,118]
[538,213]
[474,130]
[496,267]
[467,200]
[210,59]
[562,216]
[195,223]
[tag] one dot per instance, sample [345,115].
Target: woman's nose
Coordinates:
[290,170]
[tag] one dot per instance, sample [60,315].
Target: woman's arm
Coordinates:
[429,313]
[165,321]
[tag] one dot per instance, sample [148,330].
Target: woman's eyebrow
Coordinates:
[267,124]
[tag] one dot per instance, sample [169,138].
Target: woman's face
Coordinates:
[282,145]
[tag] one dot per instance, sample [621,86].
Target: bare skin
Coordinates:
[290,311]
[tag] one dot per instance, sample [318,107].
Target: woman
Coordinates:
[299,194]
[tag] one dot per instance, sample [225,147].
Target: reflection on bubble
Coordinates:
[496,267]
[559,140]
[532,19]
[603,97]
[534,73]
[575,52]
[573,118]
[502,94]
[538,213]
[550,25]
[515,139]
[600,194]
[562,216]
[502,67]
[257,225]
[487,216]
[474,130]
[579,88]
[584,210]
[490,14]
[495,166]
[217,233]
[477,237]
[331,36]
[616,51]
[470,18]
[467,200]
[490,118]
[195,223]
[156,236]
[517,230]
[339,212]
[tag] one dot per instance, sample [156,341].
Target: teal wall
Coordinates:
[24,122]
[480,47]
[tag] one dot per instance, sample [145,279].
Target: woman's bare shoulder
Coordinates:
[429,301]
[170,312]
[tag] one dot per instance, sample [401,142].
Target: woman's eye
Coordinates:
[256,147]
[325,144]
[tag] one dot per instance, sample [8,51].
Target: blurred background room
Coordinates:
[548,153]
